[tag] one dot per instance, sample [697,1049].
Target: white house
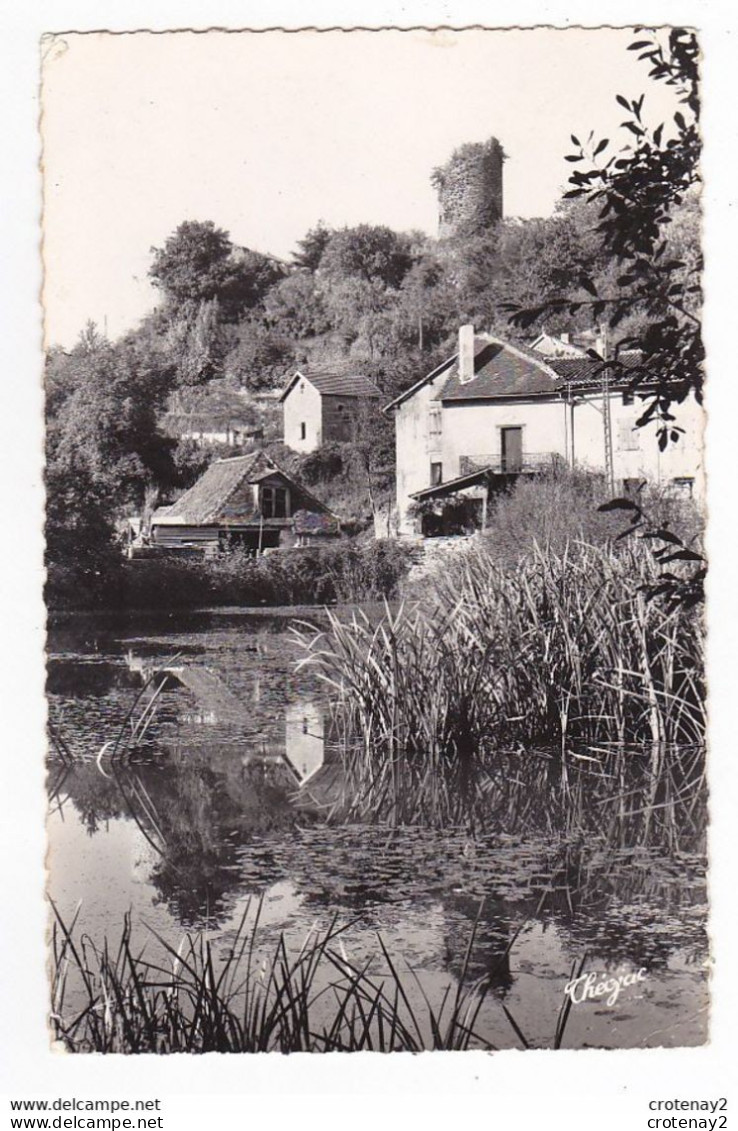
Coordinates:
[494,411]
[320,406]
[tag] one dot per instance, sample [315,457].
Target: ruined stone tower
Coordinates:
[469,189]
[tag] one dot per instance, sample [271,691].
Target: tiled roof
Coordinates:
[588,370]
[224,494]
[501,370]
[469,480]
[505,370]
[207,501]
[335,383]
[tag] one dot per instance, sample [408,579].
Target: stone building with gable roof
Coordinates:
[244,501]
[494,411]
[320,406]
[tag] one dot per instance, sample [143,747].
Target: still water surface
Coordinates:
[227,800]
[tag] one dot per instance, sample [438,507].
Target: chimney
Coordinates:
[466,353]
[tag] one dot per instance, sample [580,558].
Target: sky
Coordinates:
[266,134]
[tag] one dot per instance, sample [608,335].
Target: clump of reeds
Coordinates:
[317,1000]
[564,652]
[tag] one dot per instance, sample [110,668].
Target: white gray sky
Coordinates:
[265,134]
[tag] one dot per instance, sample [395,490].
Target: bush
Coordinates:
[314,575]
[559,508]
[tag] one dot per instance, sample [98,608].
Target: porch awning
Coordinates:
[472,479]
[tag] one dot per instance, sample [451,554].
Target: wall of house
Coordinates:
[416,448]
[339,414]
[636,453]
[472,432]
[302,405]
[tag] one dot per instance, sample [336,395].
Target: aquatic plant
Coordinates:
[563,654]
[317,1000]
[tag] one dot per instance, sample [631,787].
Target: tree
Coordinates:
[295,306]
[199,264]
[639,191]
[371,254]
[428,305]
[193,265]
[197,342]
[260,357]
[362,311]
[311,247]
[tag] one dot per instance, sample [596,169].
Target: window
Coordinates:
[303,431]
[434,422]
[628,397]
[274,502]
[436,474]
[683,487]
[628,440]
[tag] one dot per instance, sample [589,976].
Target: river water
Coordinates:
[226,800]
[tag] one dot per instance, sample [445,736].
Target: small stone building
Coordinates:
[320,406]
[246,501]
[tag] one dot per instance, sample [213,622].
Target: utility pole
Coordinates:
[606,415]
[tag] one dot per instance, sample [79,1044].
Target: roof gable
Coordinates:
[503,370]
[334,383]
[224,493]
[408,393]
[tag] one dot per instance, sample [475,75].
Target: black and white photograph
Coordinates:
[375,540]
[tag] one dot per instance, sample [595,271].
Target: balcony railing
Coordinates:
[527,463]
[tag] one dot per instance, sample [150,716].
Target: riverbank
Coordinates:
[343,572]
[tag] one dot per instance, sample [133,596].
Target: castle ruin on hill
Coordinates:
[469,189]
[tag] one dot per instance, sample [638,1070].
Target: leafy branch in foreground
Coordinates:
[683,590]
[639,191]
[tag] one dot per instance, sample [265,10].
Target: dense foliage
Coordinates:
[346,571]
[645,197]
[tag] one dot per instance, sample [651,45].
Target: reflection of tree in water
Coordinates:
[97,799]
[196,815]
[206,819]
[82,679]
[488,956]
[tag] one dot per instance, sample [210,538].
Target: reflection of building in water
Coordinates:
[304,731]
[301,754]
[215,702]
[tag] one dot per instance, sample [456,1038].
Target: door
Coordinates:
[512,449]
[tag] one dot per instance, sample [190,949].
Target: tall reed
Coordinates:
[564,652]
